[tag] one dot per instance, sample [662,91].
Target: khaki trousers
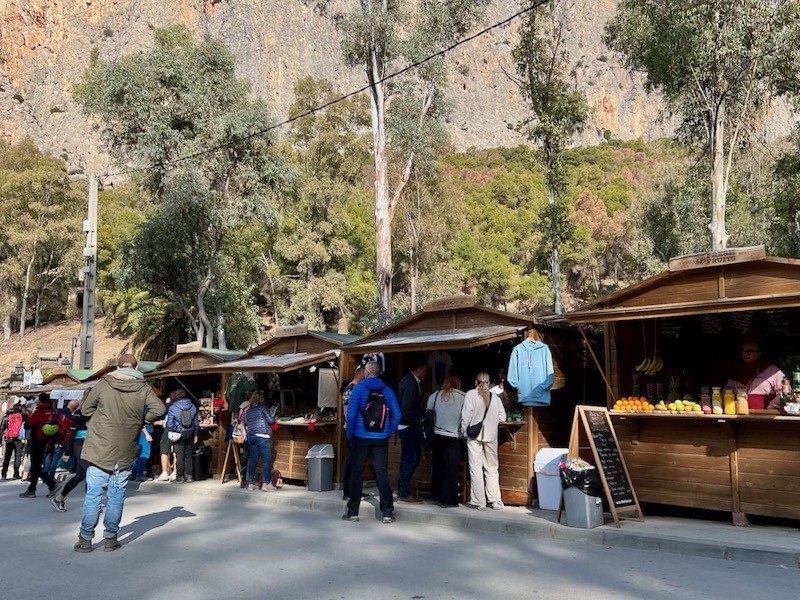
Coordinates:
[484,476]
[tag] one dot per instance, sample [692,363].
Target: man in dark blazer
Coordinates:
[409,395]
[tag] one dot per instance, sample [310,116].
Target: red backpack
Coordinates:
[14,425]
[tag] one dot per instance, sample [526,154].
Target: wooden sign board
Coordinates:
[450,303]
[291,331]
[592,429]
[720,257]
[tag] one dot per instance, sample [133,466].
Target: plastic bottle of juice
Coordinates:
[716,400]
[729,401]
[742,407]
[705,400]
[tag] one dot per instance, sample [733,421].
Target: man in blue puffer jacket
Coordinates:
[369,444]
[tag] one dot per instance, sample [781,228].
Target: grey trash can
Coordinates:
[320,468]
[582,510]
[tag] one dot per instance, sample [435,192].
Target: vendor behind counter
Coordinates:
[758,377]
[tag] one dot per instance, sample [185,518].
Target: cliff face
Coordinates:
[45,45]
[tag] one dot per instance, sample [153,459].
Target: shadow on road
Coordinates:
[152,521]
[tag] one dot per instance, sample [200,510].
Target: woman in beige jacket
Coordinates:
[480,405]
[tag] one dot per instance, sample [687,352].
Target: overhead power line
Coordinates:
[319,108]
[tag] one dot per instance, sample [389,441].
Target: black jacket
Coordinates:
[410,399]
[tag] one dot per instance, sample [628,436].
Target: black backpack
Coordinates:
[186,418]
[375,412]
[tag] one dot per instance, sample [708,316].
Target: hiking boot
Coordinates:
[82,545]
[352,518]
[53,491]
[111,544]
[58,505]
[28,494]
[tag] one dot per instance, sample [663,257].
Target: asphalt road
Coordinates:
[188,547]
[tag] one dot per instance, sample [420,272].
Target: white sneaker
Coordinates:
[498,505]
[173,476]
[163,477]
[251,487]
[268,487]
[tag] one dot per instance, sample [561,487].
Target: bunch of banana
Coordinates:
[650,365]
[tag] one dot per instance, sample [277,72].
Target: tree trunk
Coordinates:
[555,262]
[719,238]
[202,315]
[221,343]
[7,327]
[24,307]
[413,276]
[383,220]
[37,311]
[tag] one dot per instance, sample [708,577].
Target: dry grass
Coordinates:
[55,338]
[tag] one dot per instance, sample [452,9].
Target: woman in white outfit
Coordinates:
[484,477]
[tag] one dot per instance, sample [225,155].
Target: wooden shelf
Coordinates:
[703,417]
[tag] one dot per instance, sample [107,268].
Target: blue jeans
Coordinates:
[409,459]
[51,460]
[259,446]
[96,481]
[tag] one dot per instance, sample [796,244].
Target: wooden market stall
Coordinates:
[478,338]
[694,317]
[190,367]
[298,369]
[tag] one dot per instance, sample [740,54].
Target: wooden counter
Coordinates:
[742,464]
[291,442]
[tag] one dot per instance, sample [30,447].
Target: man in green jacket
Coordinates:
[117,407]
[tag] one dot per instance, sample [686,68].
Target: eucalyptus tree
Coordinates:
[718,65]
[380,36]
[178,116]
[558,111]
[40,233]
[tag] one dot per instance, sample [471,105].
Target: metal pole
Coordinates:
[90,278]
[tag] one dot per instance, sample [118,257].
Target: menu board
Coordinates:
[610,458]
[593,430]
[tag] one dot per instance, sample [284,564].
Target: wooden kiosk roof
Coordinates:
[732,280]
[447,324]
[192,357]
[291,348]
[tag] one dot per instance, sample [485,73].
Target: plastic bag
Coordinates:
[585,479]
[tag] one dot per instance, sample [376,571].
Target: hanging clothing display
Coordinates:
[530,370]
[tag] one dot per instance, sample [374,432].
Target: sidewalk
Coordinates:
[771,545]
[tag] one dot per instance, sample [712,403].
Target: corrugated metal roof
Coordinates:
[452,338]
[273,363]
[342,338]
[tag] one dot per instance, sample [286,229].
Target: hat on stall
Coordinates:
[127,361]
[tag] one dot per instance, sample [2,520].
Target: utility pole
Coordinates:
[89,278]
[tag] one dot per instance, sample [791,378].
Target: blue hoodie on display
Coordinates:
[358,401]
[530,370]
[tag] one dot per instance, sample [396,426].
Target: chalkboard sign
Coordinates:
[592,429]
[609,458]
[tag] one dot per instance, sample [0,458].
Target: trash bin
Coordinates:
[583,510]
[201,457]
[546,465]
[320,468]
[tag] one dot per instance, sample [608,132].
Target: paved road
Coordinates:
[190,547]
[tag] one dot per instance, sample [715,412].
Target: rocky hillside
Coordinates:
[46,45]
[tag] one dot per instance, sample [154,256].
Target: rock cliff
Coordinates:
[45,45]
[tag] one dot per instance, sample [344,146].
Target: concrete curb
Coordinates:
[512,520]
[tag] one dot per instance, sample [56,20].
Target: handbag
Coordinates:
[239,433]
[428,425]
[473,431]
